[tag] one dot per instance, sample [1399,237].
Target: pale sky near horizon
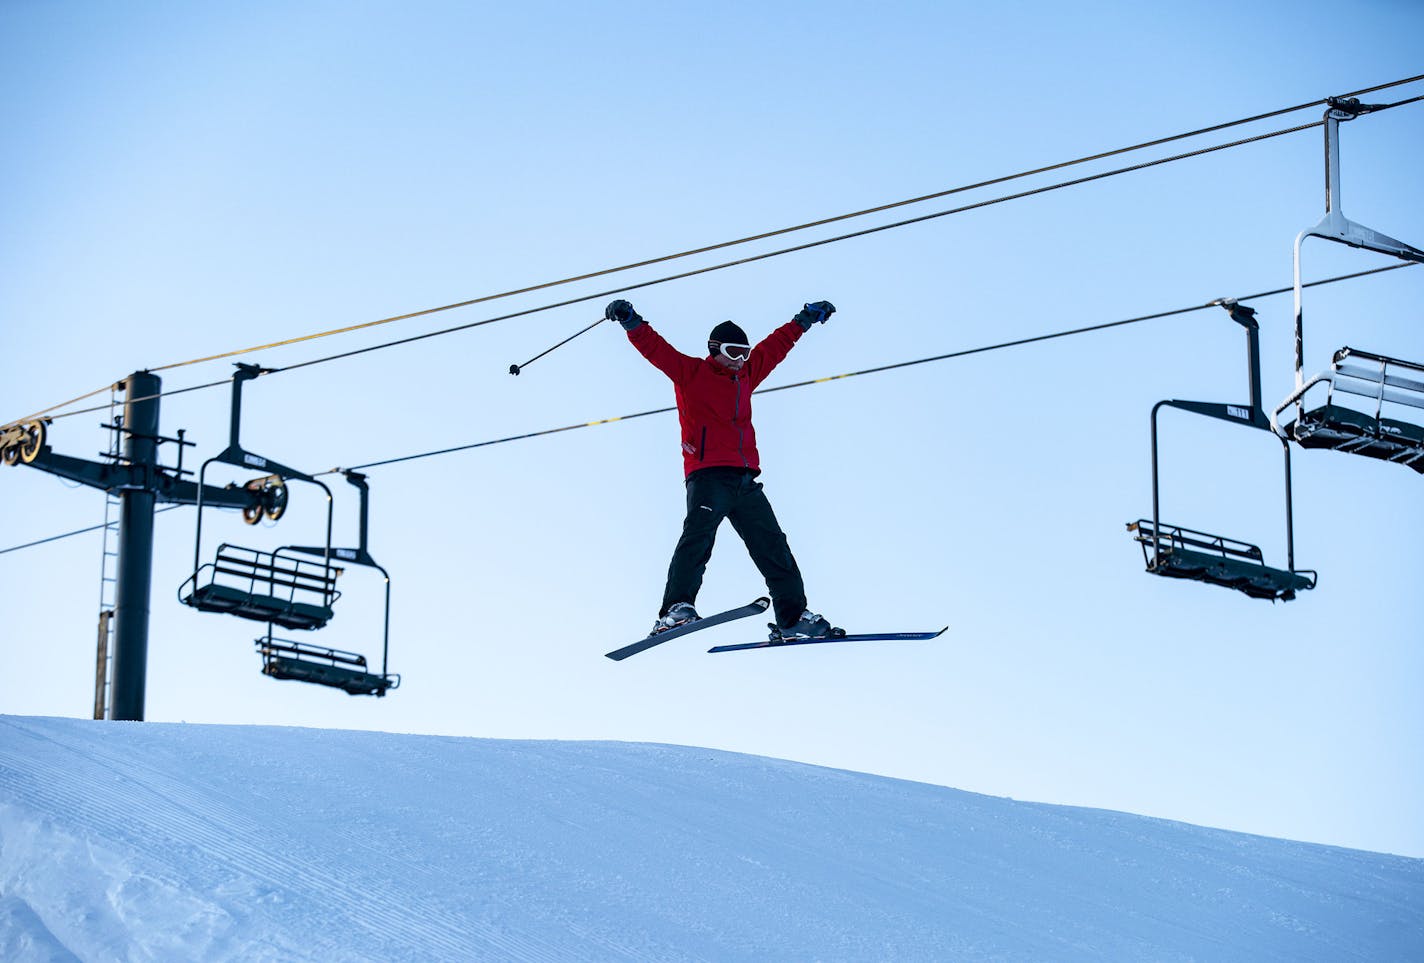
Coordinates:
[186,180]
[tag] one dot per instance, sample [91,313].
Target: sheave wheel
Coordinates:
[278,505]
[34,442]
[273,503]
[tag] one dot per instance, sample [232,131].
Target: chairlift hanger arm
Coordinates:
[1335,226]
[234,453]
[1251,413]
[353,556]
[358,555]
[1236,414]
[245,459]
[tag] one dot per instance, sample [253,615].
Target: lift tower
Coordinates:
[140,482]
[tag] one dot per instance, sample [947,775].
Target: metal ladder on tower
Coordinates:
[103,663]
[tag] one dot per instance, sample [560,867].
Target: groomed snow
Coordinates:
[153,841]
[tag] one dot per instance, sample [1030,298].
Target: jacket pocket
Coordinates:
[702,448]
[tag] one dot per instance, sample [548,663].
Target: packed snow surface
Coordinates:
[149,841]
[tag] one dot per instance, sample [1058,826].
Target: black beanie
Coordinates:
[728,333]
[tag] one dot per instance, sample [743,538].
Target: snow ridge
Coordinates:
[141,841]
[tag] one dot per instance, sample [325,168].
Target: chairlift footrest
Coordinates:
[1183,553]
[335,668]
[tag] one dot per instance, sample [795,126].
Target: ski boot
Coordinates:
[810,626]
[679,613]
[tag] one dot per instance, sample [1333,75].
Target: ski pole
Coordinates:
[514,369]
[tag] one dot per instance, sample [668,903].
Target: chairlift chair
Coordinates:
[1370,433]
[1177,552]
[277,587]
[283,659]
[264,586]
[1383,380]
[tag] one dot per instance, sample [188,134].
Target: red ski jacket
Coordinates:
[714,404]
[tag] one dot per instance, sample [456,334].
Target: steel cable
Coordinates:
[744,240]
[799,384]
[798,227]
[750,259]
[877,370]
[599,295]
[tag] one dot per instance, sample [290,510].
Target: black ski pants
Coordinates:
[734,493]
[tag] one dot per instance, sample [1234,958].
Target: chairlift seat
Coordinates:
[322,666]
[1344,429]
[1384,381]
[1182,553]
[265,587]
[258,607]
[1333,427]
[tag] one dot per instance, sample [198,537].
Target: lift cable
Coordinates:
[889,367]
[81,531]
[750,259]
[790,230]
[800,384]
[829,220]
[600,295]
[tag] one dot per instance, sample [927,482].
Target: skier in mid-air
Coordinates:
[720,462]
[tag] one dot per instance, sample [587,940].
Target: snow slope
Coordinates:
[151,841]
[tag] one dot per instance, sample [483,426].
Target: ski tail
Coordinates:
[858,637]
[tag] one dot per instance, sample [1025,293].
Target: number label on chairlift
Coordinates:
[349,554]
[255,461]
[1236,411]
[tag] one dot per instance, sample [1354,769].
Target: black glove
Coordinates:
[622,312]
[814,313]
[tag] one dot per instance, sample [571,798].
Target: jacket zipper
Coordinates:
[736,412]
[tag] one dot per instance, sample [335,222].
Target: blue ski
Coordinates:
[740,612]
[863,637]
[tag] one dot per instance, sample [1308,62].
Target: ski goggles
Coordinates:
[734,352]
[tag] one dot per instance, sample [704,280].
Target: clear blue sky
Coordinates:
[185,180]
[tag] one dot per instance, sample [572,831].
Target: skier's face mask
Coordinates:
[734,352]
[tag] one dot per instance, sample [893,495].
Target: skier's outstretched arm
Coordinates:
[649,343]
[774,348]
